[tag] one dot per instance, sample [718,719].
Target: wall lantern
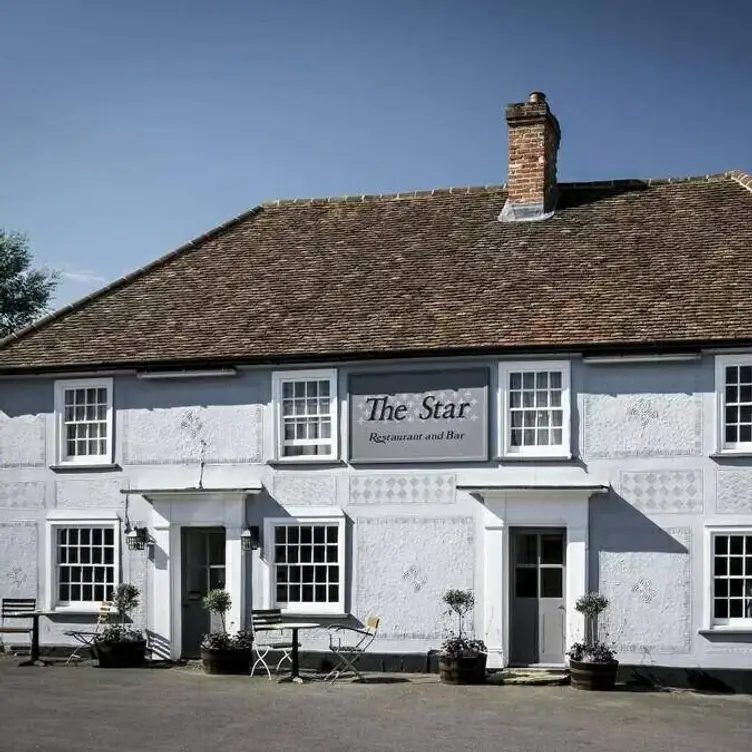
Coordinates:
[136,538]
[249,538]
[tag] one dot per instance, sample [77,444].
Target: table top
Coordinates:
[287,625]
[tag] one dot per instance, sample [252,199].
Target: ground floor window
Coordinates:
[732,577]
[306,559]
[84,557]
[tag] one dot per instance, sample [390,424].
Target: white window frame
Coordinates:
[736,624]
[324,516]
[505,448]
[85,460]
[721,363]
[72,518]
[281,377]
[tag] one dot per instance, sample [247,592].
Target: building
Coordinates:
[531,390]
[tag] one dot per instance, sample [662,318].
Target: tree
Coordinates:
[24,292]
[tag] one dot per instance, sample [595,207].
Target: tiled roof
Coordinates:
[621,264]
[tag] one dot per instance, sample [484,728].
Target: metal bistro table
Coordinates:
[34,659]
[293,626]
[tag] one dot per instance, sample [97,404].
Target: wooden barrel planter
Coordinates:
[593,676]
[225,661]
[463,670]
[126,654]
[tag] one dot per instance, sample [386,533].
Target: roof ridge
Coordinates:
[743,178]
[360,198]
[125,279]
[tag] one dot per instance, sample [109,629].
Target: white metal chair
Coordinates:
[263,644]
[348,649]
[86,638]
[16,606]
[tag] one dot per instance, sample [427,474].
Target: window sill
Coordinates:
[726,631]
[75,611]
[316,616]
[295,462]
[535,457]
[730,454]
[83,468]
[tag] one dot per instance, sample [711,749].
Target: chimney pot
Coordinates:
[536,97]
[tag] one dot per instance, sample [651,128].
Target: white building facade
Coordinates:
[374,487]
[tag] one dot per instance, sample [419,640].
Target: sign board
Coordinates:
[419,416]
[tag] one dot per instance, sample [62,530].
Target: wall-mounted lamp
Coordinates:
[137,538]
[250,538]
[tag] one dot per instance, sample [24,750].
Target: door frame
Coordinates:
[171,511]
[564,508]
[510,583]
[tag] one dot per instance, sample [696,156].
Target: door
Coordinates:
[537,609]
[203,569]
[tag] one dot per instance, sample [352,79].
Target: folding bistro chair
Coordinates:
[16,605]
[262,641]
[86,638]
[349,652]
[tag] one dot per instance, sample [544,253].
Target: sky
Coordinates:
[128,128]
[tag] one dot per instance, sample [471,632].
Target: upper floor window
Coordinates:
[734,393]
[305,404]
[731,556]
[535,408]
[83,411]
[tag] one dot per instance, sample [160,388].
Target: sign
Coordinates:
[419,416]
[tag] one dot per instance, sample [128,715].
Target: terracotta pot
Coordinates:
[127,654]
[216,661]
[593,676]
[463,670]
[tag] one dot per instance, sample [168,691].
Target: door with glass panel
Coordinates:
[537,608]
[203,569]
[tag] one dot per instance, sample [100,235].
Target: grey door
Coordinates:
[203,569]
[537,608]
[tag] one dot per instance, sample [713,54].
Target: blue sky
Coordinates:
[130,127]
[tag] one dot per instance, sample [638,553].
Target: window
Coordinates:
[534,399]
[731,575]
[84,562]
[83,411]
[306,558]
[306,408]
[734,387]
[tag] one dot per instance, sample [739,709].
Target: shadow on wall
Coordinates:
[27,398]
[158,645]
[617,526]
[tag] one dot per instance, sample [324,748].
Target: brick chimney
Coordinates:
[534,136]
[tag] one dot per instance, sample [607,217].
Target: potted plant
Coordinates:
[462,660]
[592,664]
[223,653]
[119,645]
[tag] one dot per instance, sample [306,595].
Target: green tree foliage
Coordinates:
[25,292]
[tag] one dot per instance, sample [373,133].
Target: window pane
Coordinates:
[526,582]
[736,609]
[745,433]
[736,588]
[721,587]
[552,582]
[526,547]
[736,544]
[720,608]
[331,554]
[552,549]
[333,593]
[556,380]
[735,565]
[721,566]
[721,544]
[332,534]
[745,374]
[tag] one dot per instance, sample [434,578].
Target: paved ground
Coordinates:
[181,710]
